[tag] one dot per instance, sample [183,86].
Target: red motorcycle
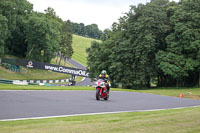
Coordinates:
[101,90]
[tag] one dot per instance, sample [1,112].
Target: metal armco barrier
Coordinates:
[3,81]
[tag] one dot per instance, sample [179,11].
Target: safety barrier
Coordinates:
[4,81]
[26,82]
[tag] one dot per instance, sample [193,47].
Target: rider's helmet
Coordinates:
[103,72]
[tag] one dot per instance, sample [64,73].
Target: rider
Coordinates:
[105,77]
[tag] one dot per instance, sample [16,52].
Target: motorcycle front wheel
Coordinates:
[97,94]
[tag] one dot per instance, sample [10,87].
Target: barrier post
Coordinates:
[73,80]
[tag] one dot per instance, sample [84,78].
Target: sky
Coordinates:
[101,12]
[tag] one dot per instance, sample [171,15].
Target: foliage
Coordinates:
[42,37]
[157,41]
[8,9]
[87,31]
[3,33]
[66,49]
[181,58]
[30,34]
[16,13]
[93,58]
[148,27]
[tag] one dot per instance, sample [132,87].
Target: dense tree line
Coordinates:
[154,43]
[33,35]
[91,31]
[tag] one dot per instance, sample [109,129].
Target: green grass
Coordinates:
[53,61]
[78,79]
[37,87]
[193,93]
[80,44]
[185,120]
[31,74]
[168,121]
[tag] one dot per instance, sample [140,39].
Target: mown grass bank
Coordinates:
[31,74]
[80,44]
[167,121]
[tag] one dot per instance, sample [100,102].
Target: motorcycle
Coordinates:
[101,90]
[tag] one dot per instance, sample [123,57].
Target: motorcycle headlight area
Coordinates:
[102,84]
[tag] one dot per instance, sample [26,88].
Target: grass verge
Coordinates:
[174,120]
[193,93]
[37,87]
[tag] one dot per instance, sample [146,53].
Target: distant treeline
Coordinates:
[91,31]
[33,35]
[153,44]
[38,36]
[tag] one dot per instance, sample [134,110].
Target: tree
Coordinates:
[8,9]
[43,37]
[101,56]
[137,38]
[105,34]
[18,44]
[87,31]
[66,49]
[50,12]
[3,33]
[149,31]
[33,35]
[128,50]
[92,31]
[93,60]
[181,58]
[16,13]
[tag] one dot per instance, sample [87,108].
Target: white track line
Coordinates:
[59,116]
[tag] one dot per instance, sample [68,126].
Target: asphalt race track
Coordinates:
[30,104]
[86,81]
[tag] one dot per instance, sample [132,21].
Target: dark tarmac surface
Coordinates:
[86,81]
[29,104]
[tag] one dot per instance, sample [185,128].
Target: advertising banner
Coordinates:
[45,66]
